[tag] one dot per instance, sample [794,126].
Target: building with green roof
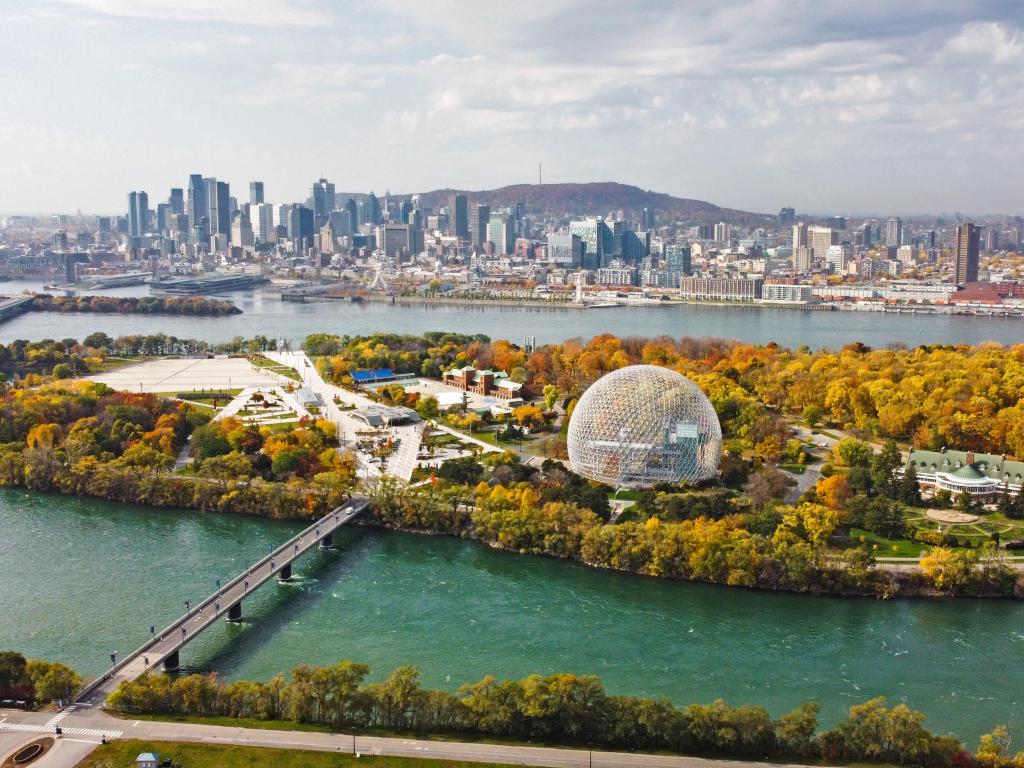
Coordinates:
[983,475]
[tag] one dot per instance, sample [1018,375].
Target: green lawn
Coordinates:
[796,469]
[122,754]
[889,547]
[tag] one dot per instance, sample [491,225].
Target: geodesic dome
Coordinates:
[643,425]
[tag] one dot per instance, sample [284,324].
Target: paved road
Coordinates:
[167,642]
[71,749]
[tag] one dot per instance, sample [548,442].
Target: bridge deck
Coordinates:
[185,628]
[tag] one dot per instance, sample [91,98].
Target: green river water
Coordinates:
[80,578]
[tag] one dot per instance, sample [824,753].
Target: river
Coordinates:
[80,578]
[265,313]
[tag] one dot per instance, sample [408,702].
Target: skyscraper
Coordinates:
[218,200]
[322,201]
[799,236]
[458,216]
[501,232]
[478,224]
[353,214]
[256,193]
[262,217]
[198,209]
[177,200]
[893,231]
[968,246]
[138,214]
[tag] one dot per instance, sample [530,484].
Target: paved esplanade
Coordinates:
[226,603]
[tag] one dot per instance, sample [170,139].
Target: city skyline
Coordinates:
[857,108]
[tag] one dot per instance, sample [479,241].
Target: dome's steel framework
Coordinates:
[642,425]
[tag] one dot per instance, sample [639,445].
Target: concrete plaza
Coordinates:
[190,375]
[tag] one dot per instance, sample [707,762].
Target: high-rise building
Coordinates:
[322,201]
[341,222]
[256,193]
[723,232]
[592,233]
[300,227]
[198,209]
[177,200]
[787,215]
[800,236]
[968,242]
[262,217]
[565,249]
[894,231]
[458,216]
[371,210]
[138,214]
[218,201]
[867,236]
[501,232]
[820,239]
[647,219]
[478,224]
[678,259]
[241,230]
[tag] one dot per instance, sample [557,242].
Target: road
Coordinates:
[90,725]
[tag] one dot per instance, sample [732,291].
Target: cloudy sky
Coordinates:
[844,107]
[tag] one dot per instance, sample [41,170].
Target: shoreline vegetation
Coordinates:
[196,306]
[559,709]
[741,529]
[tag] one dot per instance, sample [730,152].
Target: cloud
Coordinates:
[252,12]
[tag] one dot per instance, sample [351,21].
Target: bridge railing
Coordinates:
[358,506]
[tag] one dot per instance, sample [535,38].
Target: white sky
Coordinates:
[868,106]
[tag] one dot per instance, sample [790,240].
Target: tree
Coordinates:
[949,569]
[53,680]
[812,414]
[62,371]
[766,484]
[550,396]
[853,452]
[907,489]
[797,728]
[528,416]
[427,407]
[834,491]
[884,466]
[813,523]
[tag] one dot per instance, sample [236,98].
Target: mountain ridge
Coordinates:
[582,198]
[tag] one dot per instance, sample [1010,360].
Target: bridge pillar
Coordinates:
[327,542]
[235,612]
[285,574]
[172,663]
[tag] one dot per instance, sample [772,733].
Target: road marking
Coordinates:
[31,728]
[84,741]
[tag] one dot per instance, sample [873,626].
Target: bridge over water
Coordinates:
[162,651]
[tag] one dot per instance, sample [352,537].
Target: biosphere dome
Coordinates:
[642,425]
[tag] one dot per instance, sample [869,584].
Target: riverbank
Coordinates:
[460,611]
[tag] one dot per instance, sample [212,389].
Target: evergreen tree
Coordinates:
[907,489]
[883,468]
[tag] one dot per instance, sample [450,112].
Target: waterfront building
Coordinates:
[982,475]
[620,275]
[786,293]
[965,266]
[642,425]
[721,288]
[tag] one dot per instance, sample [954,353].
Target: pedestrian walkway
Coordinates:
[32,728]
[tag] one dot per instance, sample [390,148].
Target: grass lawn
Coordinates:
[890,547]
[796,469]
[119,754]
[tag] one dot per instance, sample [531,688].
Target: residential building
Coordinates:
[965,266]
[721,288]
